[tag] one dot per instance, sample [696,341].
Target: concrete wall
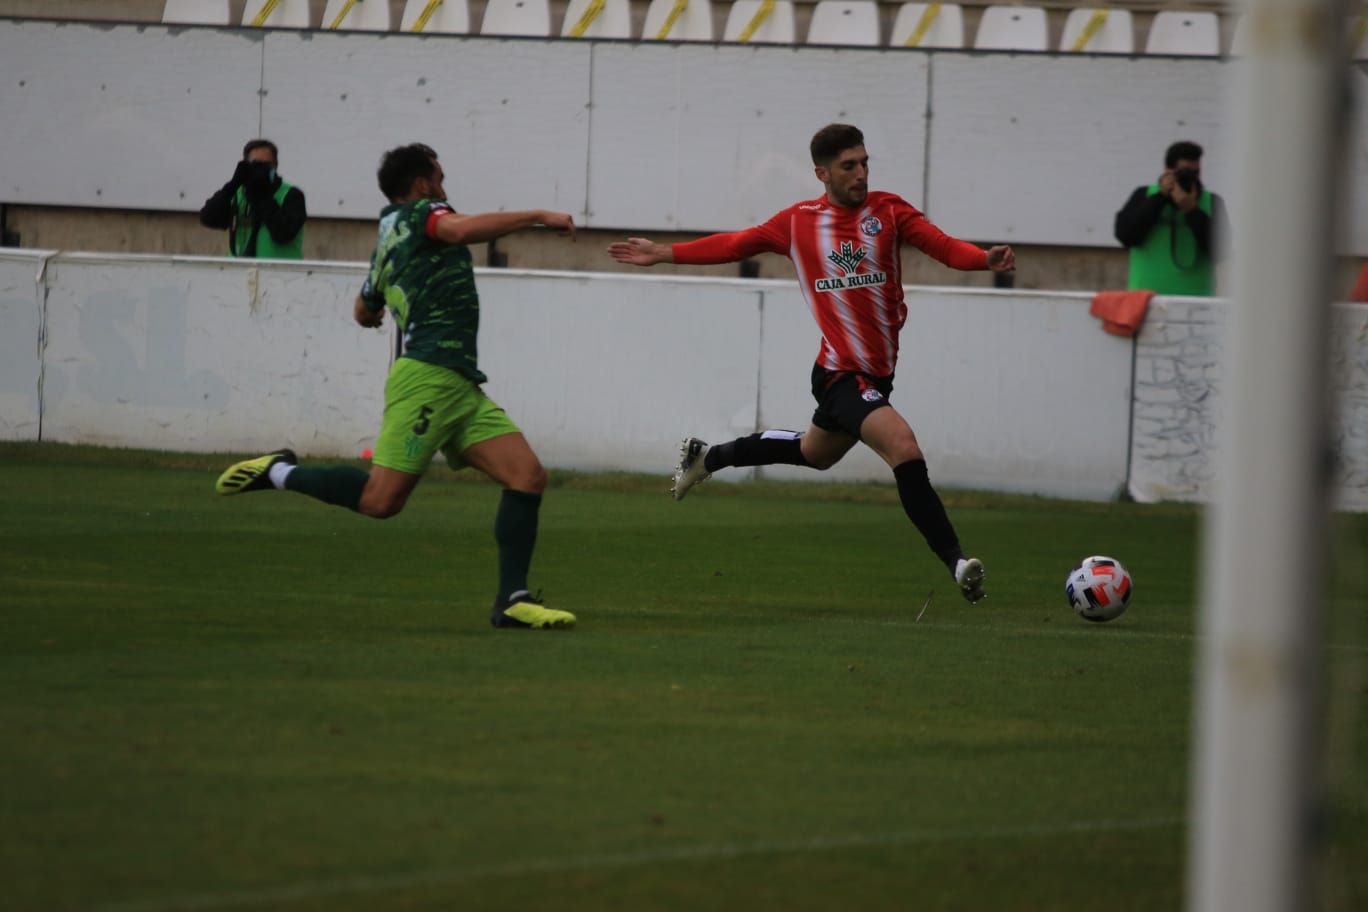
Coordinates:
[632,136]
[1178,400]
[1007,390]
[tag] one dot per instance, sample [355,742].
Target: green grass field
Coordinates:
[265,703]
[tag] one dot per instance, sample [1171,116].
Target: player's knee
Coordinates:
[532,480]
[821,463]
[380,507]
[904,449]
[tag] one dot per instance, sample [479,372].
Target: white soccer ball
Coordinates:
[1099,588]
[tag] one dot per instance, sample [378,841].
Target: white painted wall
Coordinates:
[1031,148]
[1011,391]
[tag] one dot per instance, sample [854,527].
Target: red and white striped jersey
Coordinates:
[849,269]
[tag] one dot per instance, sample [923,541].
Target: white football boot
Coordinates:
[969,576]
[690,470]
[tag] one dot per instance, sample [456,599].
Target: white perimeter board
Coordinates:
[1045,150]
[698,138]
[509,117]
[141,117]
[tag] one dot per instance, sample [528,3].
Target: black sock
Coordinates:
[337,485]
[515,529]
[765,448]
[926,511]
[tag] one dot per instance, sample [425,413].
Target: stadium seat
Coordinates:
[451,17]
[849,23]
[1098,31]
[285,14]
[1012,28]
[517,17]
[760,22]
[197,12]
[612,20]
[692,22]
[1358,41]
[1184,34]
[277,14]
[928,25]
[358,15]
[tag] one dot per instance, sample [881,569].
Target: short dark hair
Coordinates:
[401,166]
[1182,149]
[832,140]
[261,144]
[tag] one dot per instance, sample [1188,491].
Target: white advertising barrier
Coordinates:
[209,355]
[1178,400]
[609,372]
[21,323]
[1005,390]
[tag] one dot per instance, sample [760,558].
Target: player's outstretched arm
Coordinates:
[460,228]
[641,252]
[1001,258]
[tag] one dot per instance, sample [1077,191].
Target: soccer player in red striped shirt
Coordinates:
[845,246]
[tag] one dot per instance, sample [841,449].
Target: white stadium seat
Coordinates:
[1098,31]
[285,14]
[1183,33]
[197,12]
[613,20]
[849,22]
[746,23]
[1012,28]
[928,25]
[358,15]
[692,22]
[450,17]
[517,17]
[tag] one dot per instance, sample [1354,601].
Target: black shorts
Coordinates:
[845,400]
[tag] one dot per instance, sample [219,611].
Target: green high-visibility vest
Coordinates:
[266,247]
[1169,260]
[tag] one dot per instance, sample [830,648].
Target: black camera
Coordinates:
[1186,178]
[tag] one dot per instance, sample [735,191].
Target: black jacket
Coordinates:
[1142,210]
[282,220]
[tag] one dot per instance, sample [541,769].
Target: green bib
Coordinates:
[1169,261]
[266,247]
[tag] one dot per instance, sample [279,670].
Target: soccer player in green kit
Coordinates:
[421,271]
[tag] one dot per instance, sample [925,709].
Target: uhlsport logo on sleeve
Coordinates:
[848,260]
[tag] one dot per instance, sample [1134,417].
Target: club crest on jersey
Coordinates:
[871,395]
[848,260]
[870,225]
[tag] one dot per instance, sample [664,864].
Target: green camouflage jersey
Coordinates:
[428,286]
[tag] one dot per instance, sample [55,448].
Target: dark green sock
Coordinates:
[338,485]
[515,529]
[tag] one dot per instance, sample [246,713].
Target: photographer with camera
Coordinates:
[1172,228]
[255,198]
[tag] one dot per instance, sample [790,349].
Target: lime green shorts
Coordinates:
[430,408]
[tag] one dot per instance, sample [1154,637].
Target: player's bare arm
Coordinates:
[641,252]
[1001,258]
[367,317]
[460,228]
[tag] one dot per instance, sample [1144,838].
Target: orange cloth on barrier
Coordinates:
[1121,312]
[1360,292]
